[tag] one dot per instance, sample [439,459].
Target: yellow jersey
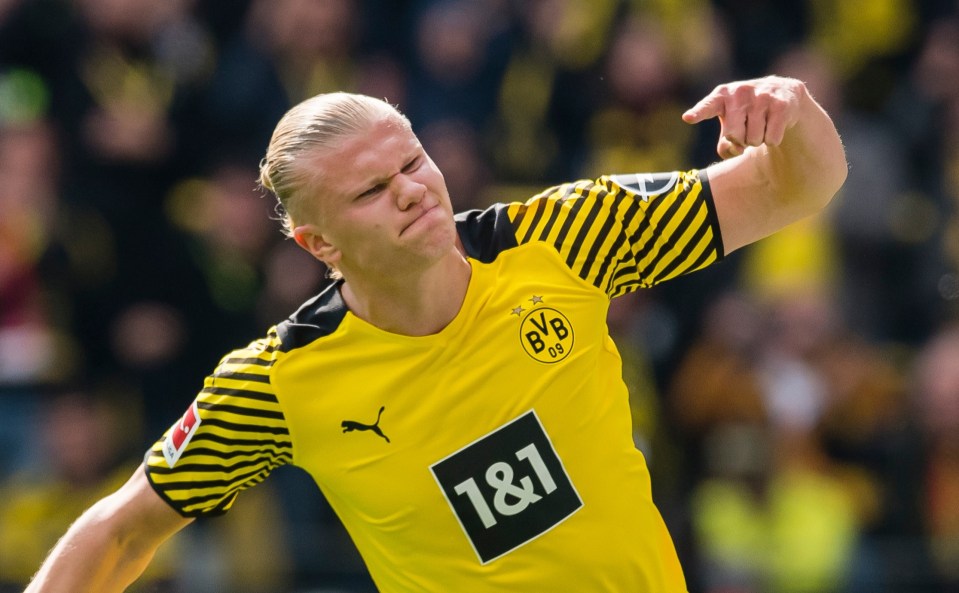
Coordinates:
[495,455]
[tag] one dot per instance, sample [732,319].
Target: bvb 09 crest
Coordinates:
[546,334]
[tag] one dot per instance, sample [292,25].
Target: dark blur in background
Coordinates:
[798,404]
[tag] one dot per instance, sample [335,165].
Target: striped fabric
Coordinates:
[242,436]
[618,241]
[616,237]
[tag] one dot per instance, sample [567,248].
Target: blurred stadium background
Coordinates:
[798,404]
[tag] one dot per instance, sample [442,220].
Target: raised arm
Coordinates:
[110,545]
[783,159]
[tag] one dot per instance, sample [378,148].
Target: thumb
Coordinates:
[707,108]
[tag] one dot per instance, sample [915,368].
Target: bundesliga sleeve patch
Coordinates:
[507,488]
[180,435]
[647,185]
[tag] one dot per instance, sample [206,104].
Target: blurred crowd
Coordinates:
[798,403]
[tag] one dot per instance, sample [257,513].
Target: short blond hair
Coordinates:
[320,122]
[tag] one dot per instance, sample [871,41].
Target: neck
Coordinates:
[417,304]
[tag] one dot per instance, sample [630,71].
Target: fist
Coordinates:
[751,112]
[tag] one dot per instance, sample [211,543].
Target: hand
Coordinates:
[750,112]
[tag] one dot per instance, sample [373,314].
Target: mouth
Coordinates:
[418,218]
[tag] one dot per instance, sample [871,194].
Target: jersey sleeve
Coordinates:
[623,232]
[229,439]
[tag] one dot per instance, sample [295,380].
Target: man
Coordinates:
[455,394]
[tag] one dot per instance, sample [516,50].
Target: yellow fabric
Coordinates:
[513,420]
[435,405]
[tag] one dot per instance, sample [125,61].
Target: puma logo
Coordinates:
[351,425]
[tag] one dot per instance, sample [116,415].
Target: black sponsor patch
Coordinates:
[507,488]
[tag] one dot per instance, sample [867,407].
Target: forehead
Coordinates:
[380,149]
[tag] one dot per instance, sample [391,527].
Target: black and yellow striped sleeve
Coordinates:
[231,437]
[624,232]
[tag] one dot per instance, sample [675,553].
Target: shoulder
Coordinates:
[486,233]
[315,319]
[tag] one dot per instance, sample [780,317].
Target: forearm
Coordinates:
[806,170]
[92,556]
[793,166]
[111,544]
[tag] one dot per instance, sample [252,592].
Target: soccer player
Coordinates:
[454,393]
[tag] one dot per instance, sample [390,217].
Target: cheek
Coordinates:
[365,228]
[441,180]
[437,185]
[432,173]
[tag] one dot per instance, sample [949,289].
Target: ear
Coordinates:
[309,238]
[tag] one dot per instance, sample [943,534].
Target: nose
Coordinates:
[408,192]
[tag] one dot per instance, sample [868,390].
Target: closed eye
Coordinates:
[371,191]
[412,165]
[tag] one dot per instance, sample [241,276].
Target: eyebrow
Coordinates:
[371,182]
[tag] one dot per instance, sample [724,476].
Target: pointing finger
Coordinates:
[708,107]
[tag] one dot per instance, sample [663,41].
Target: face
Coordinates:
[381,206]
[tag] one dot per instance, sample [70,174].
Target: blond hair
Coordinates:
[320,122]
